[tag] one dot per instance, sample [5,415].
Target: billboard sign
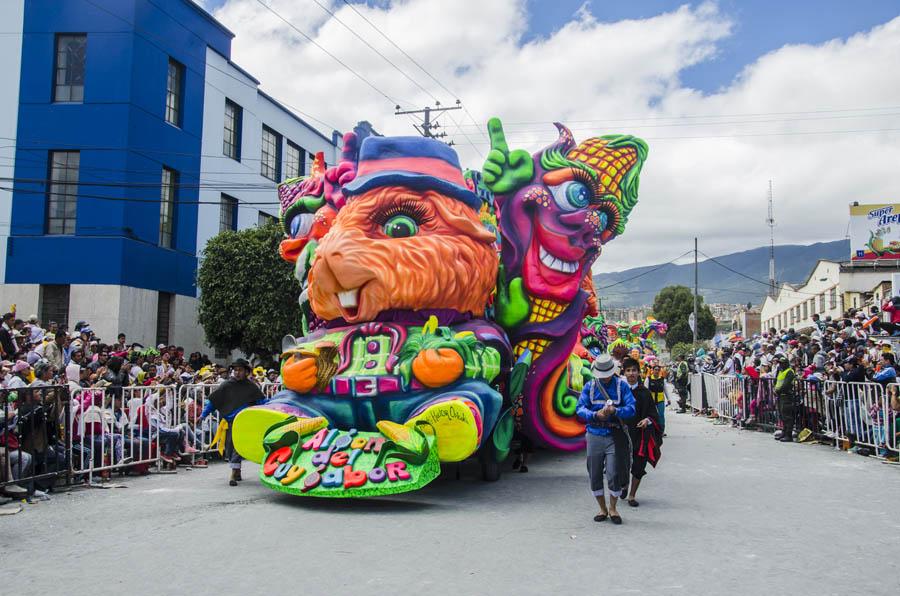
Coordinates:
[874,232]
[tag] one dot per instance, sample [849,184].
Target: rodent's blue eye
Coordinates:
[571,195]
[400,226]
[295,226]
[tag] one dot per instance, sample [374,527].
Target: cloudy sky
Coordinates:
[729,95]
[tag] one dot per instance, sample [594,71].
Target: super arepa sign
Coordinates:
[874,231]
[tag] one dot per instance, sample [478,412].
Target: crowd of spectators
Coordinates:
[855,348]
[109,423]
[53,356]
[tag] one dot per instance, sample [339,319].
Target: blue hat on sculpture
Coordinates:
[413,162]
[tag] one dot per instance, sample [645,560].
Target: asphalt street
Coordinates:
[726,512]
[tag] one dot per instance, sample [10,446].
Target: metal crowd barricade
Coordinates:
[193,400]
[892,419]
[856,414]
[34,428]
[710,392]
[270,389]
[117,428]
[760,403]
[696,392]
[812,411]
[729,398]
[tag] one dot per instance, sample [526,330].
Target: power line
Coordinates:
[423,69]
[737,136]
[143,34]
[649,271]
[425,130]
[719,123]
[765,283]
[332,56]
[371,47]
[150,185]
[43,193]
[739,115]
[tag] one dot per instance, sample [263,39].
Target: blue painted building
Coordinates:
[116,121]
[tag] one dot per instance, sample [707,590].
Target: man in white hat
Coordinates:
[605,403]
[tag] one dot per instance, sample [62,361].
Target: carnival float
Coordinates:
[443,311]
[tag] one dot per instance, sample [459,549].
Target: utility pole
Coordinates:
[771,223]
[696,283]
[428,125]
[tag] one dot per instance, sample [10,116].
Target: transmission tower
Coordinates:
[428,126]
[771,223]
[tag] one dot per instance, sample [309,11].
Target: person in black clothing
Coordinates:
[7,346]
[229,399]
[646,420]
[853,372]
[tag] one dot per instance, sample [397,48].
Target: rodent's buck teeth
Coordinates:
[349,299]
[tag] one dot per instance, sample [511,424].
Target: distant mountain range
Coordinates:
[793,264]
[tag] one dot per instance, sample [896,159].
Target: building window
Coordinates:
[265,219]
[822,303]
[294,161]
[174,85]
[54,305]
[167,200]
[805,312]
[231,144]
[832,298]
[270,164]
[163,314]
[62,192]
[228,213]
[68,70]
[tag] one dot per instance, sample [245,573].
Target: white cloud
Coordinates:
[593,75]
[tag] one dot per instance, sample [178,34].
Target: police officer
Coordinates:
[786,391]
[682,376]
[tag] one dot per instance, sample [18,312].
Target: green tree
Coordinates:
[673,305]
[248,294]
[681,349]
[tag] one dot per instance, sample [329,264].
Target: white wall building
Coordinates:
[794,306]
[830,289]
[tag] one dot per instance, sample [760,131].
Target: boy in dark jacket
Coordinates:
[645,428]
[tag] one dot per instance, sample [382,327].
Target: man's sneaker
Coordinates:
[41,495]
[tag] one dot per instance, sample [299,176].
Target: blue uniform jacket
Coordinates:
[592,400]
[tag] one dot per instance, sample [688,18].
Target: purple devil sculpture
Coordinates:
[557,209]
